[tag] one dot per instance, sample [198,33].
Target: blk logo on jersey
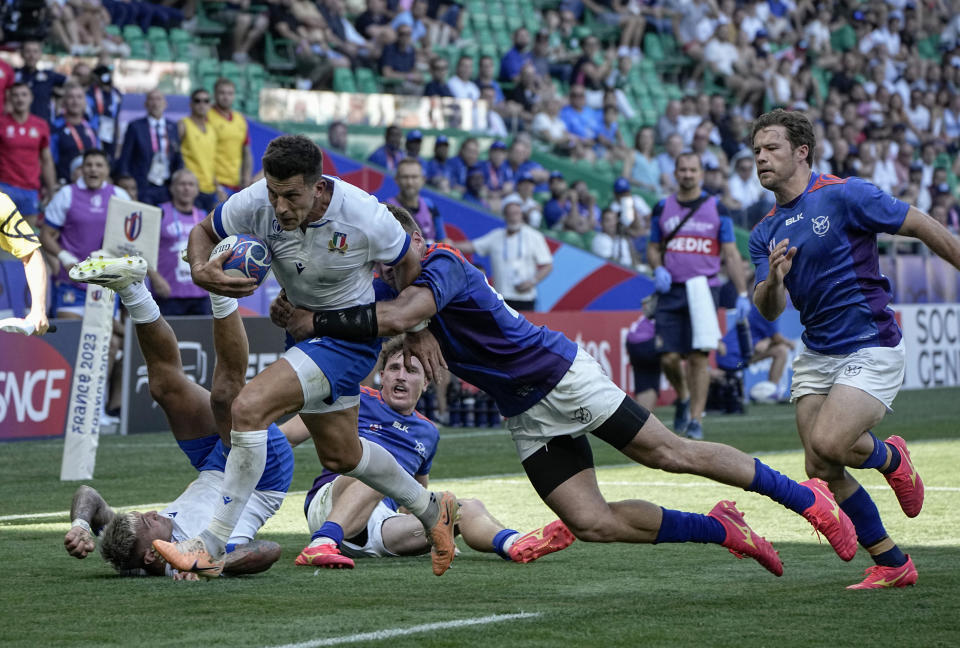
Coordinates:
[821,225]
[338,243]
[852,370]
[795,219]
[227,500]
[300,267]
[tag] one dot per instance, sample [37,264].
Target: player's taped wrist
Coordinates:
[354,323]
[83,524]
[67,258]
[419,327]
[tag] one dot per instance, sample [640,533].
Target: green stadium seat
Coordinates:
[367,81]
[279,54]
[343,80]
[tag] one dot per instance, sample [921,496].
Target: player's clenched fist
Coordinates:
[79,542]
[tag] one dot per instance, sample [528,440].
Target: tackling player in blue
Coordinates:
[349,520]
[553,393]
[325,236]
[819,244]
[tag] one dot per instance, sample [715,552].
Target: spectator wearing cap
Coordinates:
[25,158]
[437,86]
[496,172]
[390,154]
[410,180]
[43,84]
[337,137]
[463,163]
[460,84]
[103,105]
[71,134]
[519,258]
[486,77]
[523,195]
[438,167]
[562,202]
[414,142]
[151,151]
[517,57]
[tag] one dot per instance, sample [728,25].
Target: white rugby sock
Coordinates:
[380,471]
[245,464]
[139,303]
[222,306]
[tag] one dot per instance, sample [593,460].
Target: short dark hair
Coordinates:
[95,152]
[404,218]
[691,154]
[199,91]
[797,124]
[292,155]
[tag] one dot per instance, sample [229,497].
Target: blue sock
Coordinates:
[780,488]
[865,517]
[891,558]
[501,538]
[895,459]
[678,526]
[330,530]
[879,454]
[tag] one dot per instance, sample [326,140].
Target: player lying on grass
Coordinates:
[348,519]
[552,394]
[126,537]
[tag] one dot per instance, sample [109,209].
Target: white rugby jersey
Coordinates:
[330,265]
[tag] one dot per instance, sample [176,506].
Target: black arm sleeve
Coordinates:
[357,323]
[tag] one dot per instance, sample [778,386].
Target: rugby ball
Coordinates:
[250,257]
[764,392]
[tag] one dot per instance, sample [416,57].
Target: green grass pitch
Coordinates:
[589,595]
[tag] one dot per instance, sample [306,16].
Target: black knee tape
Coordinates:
[623,425]
[557,462]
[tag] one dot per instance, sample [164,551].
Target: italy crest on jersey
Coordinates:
[338,243]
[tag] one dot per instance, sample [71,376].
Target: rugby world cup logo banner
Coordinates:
[133,225]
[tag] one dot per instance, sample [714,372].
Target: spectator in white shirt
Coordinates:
[460,84]
[611,243]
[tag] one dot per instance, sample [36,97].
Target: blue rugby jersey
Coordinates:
[412,439]
[487,343]
[835,282]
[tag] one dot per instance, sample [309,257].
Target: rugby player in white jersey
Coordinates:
[195,418]
[325,237]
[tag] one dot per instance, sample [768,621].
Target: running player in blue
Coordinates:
[348,519]
[553,393]
[819,243]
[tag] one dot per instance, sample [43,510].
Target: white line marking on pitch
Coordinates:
[380,635]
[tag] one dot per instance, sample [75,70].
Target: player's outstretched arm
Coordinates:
[934,235]
[251,558]
[208,273]
[90,513]
[412,307]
